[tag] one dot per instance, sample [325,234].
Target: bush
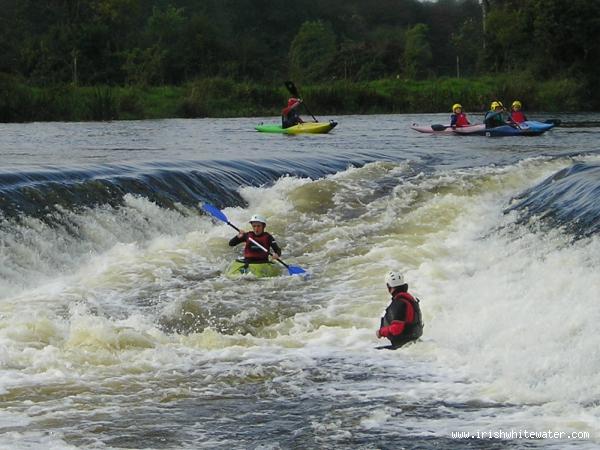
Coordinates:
[562,95]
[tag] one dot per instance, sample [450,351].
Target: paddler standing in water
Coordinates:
[402,321]
[290,115]
[252,252]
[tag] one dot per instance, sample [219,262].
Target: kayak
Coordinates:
[540,126]
[527,128]
[439,129]
[306,127]
[443,129]
[239,268]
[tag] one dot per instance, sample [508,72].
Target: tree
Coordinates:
[467,46]
[312,52]
[417,52]
[566,34]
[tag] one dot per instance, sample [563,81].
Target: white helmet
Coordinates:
[258,218]
[394,279]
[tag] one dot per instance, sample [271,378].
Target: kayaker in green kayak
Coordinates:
[402,322]
[252,252]
[290,115]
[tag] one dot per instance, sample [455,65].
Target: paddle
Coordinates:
[218,214]
[439,127]
[294,91]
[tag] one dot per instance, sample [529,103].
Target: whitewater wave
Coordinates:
[569,199]
[101,296]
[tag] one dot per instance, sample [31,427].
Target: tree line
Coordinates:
[173,42]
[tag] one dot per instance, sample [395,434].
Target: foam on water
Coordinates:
[133,318]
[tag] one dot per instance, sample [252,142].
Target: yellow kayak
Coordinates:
[260,270]
[306,127]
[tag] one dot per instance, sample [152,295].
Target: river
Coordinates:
[118,329]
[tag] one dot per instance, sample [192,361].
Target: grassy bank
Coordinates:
[20,102]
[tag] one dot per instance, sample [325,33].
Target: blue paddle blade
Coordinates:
[295,270]
[215,212]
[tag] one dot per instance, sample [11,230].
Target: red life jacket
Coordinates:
[518,116]
[292,102]
[252,251]
[461,120]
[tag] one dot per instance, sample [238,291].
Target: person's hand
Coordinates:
[299,100]
[378,334]
[275,256]
[241,234]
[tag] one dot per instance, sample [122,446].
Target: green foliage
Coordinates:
[145,67]
[507,38]
[417,52]
[467,46]
[153,56]
[561,95]
[15,99]
[102,105]
[312,52]
[218,97]
[342,97]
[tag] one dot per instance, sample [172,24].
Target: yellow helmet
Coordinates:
[516,104]
[496,104]
[456,105]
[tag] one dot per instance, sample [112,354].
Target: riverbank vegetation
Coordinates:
[133,59]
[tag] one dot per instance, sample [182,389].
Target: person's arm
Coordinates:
[276,249]
[237,239]
[487,119]
[289,109]
[492,116]
[398,324]
[453,120]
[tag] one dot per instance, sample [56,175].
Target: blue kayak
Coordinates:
[527,128]
[539,126]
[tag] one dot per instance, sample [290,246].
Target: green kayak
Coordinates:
[260,270]
[306,127]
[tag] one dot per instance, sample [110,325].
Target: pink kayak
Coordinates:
[446,129]
[438,129]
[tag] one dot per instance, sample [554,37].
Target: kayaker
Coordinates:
[290,115]
[516,114]
[458,118]
[402,321]
[495,116]
[253,253]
